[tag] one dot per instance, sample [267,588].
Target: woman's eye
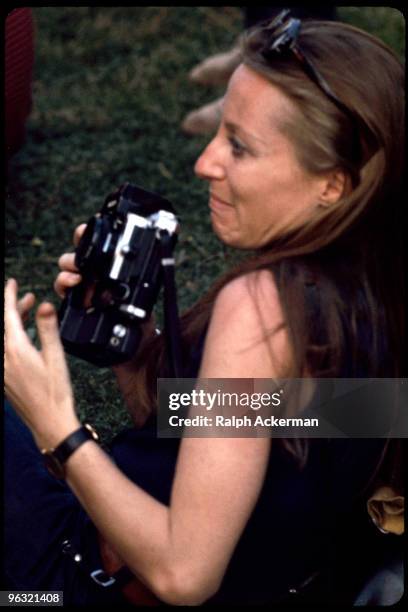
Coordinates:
[238,149]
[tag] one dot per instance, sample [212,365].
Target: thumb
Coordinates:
[47,325]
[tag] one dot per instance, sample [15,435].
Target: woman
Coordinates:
[305,170]
[217,69]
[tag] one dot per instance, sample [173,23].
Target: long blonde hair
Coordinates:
[351,253]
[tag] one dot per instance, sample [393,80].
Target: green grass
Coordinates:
[110,90]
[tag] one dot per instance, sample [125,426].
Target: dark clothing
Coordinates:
[40,513]
[311,525]
[304,522]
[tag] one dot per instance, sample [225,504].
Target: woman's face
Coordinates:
[257,186]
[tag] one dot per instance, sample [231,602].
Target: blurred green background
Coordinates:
[110,90]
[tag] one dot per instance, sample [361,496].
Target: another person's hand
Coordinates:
[37,382]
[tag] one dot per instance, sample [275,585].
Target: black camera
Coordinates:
[120,257]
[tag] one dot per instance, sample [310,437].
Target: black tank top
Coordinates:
[309,533]
[310,538]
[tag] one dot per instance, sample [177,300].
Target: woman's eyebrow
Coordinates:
[234,128]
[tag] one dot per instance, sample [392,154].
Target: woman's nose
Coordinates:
[210,165]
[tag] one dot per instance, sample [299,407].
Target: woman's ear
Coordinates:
[333,188]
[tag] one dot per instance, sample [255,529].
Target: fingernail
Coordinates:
[47,309]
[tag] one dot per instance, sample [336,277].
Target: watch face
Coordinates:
[54,466]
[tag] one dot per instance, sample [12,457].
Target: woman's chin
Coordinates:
[222,233]
[230,240]
[229,236]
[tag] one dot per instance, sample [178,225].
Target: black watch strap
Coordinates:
[74,441]
[54,459]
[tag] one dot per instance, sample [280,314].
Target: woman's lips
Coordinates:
[217,204]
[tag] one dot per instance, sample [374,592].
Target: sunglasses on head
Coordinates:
[283,33]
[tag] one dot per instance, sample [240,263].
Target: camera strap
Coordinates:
[171,317]
[118,579]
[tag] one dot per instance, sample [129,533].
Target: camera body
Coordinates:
[120,259]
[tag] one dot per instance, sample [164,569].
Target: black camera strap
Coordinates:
[171,317]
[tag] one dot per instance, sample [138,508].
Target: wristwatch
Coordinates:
[54,458]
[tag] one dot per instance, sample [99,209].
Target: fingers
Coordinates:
[78,233]
[10,296]
[67,262]
[25,305]
[12,318]
[68,277]
[64,281]
[48,331]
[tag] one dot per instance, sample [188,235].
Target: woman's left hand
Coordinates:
[37,382]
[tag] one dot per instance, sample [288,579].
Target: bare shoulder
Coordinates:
[255,289]
[247,335]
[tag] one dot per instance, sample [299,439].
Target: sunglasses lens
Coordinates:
[278,21]
[282,34]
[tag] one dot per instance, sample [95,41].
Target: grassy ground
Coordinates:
[110,90]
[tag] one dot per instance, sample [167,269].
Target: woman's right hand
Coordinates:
[69,276]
